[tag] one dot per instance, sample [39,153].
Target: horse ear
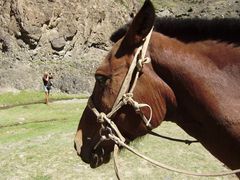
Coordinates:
[118,34]
[141,25]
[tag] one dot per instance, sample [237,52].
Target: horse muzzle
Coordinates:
[93,156]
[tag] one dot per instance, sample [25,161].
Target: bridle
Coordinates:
[125,97]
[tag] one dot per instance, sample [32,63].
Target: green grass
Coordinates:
[38,112]
[29,121]
[39,146]
[25,97]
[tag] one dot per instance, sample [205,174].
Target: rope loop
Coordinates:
[136,106]
[101,117]
[104,132]
[141,62]
[127,98]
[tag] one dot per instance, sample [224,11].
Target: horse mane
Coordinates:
[192,29]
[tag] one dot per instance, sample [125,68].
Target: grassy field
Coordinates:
[30,97]
[36,142]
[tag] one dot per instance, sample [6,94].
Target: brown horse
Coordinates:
[195,84]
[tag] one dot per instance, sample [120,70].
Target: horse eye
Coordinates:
[101,79]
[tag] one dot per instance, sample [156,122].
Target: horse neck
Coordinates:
[172,58]
[180,66]
[206,86]
[201,72]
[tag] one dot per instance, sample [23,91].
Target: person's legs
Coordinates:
[46,97]
[46,94]
[48,88]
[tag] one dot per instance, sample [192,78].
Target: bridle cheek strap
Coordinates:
[125,96]
[138,61]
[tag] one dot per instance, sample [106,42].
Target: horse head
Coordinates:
[150,92]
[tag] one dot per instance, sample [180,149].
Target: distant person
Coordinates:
[47,85]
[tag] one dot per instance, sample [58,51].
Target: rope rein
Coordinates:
[125,97]
[161,165]
[186,141]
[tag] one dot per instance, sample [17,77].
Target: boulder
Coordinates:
[58,43]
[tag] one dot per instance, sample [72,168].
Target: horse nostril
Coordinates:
[100,151]
[94,161]
[97,158]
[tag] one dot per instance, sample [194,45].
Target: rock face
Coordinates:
[199,8]
[66,37]
[70,37]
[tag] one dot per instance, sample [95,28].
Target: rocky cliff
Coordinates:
[70,37]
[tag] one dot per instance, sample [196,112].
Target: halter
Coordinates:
[125,96]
